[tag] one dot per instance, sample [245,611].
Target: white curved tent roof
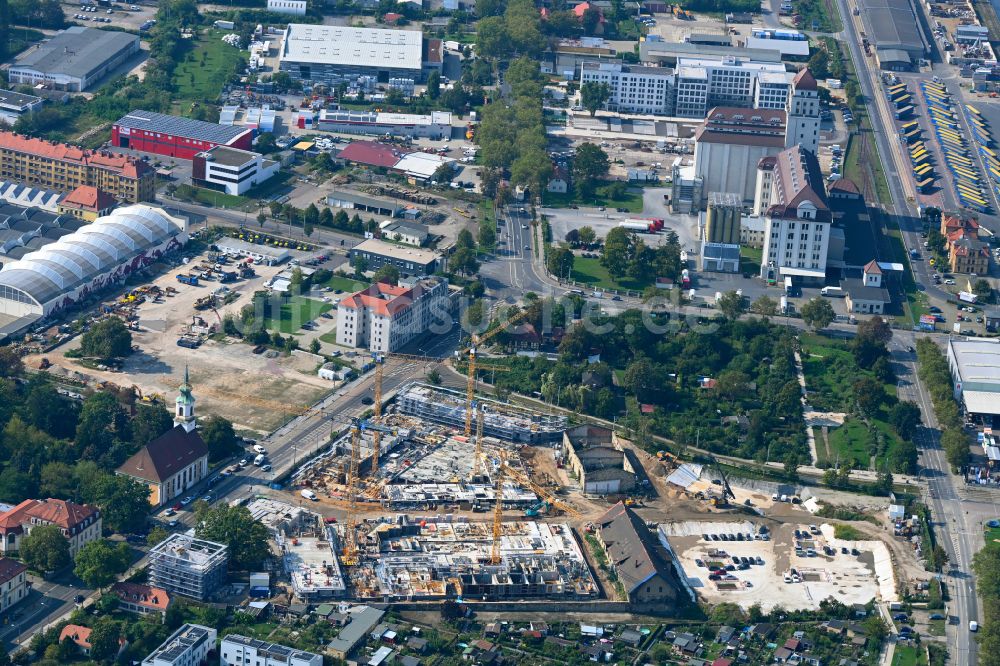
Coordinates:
[94,249]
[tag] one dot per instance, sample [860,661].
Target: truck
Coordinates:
[784,305]
[904,112]
[833,292]
[187,279]
[788,285]
[189,343]
[639,226]
[967,297]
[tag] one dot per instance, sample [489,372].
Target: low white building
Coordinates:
[409,233]
[188,646]
[867,295]
[262,254]
[334,373]
[13,105]
[237,650]
[13,583]
[293,7]
[434,125]
[384,317]
[231,170]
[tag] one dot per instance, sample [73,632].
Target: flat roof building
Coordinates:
[362,619]
[74,59]
[13,105]
[409,260]
[191,567]
[175,136]
[975,372]
[188,646]
[265,254]
[333,54]
[892,26]
[237,650]
[231,170]
[435,125]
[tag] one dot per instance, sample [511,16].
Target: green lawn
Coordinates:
[907,655]
[345,284]
[296,311]
[750,258]
[590,272]
[935,627]
[204,69]
[632,200]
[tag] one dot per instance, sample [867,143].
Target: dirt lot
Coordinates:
[847,577]
[226,376]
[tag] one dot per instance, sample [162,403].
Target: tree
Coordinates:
[875,329]
[905,418]
[102,422]
[15,485]
[99,562]
[487,237]
[105,637]
[619,245]
[587,235]
[156,535]
[731,305]
[463,260]
[387,273]
[219,436]
[106,340]
[434,84]
[956,448]
[590,20]
[869,394]
[876,628]
[235,527]
[590,164]
[560,262]
[124,503]
[45,549]
[314,346]
[10,362]
[265,143]
[982,289]
[434,377]
[594,95]
[765,306]
[573,236]
[817,313]
[150,421]
[261,218]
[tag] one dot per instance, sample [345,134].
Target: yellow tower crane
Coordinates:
[350,548]
[476,463]
[470,387]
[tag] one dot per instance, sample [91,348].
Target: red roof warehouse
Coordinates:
[175,136]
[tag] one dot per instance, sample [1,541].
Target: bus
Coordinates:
[973,110]
[986,151]
[925,184]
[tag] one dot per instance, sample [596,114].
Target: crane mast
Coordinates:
[350,550]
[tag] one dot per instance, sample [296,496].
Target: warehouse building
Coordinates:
[334,54]
[599,462]
[975,372]
[13,105]
[231,170]
[74,59]
[436,125]
[175,136]
[60,166]
[87,260]
[895,32]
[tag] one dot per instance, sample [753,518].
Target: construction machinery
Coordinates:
[349,551]
[727,491]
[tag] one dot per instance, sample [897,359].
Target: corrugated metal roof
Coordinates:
[150,121]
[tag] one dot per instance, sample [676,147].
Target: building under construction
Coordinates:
[435,558]
[500,419]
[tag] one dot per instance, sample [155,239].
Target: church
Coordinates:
[175,461]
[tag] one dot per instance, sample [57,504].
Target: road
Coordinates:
[47,601]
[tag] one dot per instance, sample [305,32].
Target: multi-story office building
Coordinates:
[191,567]
[231,170]
[63,167]
[633,88]
[802,110]
[409,260]
[792,199]
[188,646]
[384,317]
[237,650]
[704,83]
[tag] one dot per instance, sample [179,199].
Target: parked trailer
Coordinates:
[904,112]
[639,227]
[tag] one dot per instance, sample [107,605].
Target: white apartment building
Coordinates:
[188,646]
[634,88]
[294,7]
[704,83]
[239,650]
[231,170]
[384,317]
[13,583]
[791,197]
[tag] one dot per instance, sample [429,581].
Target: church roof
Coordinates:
[166,455]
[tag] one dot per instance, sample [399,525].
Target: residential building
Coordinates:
[79,523]
[13,583]
[341,54]
[792,200]
[79,635]
[559,182]
[74,59]
[141,599]
[642,564]
[633,88]
[408,233]
[409,260]
[177,460]
[968,255]
[867,295]
[975,373]
[237,650]
[598,460]
[293,7]
[13,105]
[231,170]
[64,167]
[385,318]
[752,231]
[174,136]
[87,203]
[188,646]
[802,112]
[190,567]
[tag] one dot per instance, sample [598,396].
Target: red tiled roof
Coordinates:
[66,515]
[142,595]
[372,153]
[76,633]
[128,166]
[383,298]
[804,80]
[166,455]
[845,185]
[89,198]
[872,268]
[12,520]
[10,569]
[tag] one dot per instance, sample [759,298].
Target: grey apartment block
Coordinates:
[191,567]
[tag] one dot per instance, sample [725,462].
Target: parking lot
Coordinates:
[92,15]
[792,566]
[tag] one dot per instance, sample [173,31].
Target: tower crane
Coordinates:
[476,462]
[350,547]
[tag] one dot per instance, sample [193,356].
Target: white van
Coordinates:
[259,449]
[973,626]
[309,495]
[833,292]
[259,460]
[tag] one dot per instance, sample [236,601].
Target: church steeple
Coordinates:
[184,405]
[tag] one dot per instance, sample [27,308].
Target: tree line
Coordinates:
[932,368]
